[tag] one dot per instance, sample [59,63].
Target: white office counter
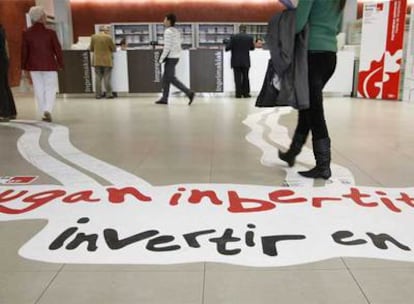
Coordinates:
[119,77]
[340,83]
[258,65]
[120,72]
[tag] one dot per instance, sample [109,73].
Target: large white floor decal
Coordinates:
[126,220]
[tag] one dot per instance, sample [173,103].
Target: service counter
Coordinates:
[203,70]
[76,77]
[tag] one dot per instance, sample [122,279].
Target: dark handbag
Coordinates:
[268,94]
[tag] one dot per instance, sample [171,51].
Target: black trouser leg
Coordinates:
[169,78]
[3,94]
[178,84]
[169,73]
[321,67]
[245,82]
[7,105]
[238,76]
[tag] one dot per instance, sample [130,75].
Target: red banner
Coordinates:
[381,49]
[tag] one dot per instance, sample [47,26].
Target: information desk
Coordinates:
[76,77]
[143,71]
[203,70]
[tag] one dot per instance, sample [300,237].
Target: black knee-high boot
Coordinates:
[322,152]
[295,147]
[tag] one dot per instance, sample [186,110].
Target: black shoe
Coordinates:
[47,117]
[161,102]
[98,97]
[322,152]
[247,96]
[110,97]
[295,147]
[289,156]
[191,98]
[317,172]
[238,96]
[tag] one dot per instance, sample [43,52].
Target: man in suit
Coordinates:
[102,47]
[240,45]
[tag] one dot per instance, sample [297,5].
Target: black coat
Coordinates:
[240,45]
[288,53]
[3,55]
[7,106]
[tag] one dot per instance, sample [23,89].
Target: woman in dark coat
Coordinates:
[324,18]
[7,106]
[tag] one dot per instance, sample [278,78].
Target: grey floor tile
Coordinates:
[363,177]
[365,264]
[190,267]
[331,264]
[206,143]
[125,288]
[174,176]
[293,287]
[23,287]
[386,286]
[13,235]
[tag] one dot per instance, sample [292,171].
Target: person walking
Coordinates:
[240,46]
[102,46]
[324,19]
[7,106]
[42,56]
[170,56]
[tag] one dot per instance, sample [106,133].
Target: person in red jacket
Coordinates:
[42,57]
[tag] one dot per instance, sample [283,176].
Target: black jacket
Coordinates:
[240,45]
[3,54]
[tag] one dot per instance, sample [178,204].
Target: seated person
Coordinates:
[123,44]
[259,43]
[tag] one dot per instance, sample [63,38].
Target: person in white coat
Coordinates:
[170,56]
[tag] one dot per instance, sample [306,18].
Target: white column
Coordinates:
[350,14]
[62,14]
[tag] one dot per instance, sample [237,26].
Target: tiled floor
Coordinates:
[206,143]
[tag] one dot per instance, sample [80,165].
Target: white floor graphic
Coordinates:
[277,137]
[133,222]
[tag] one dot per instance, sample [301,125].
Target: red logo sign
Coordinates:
[17,180]
[380,6]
